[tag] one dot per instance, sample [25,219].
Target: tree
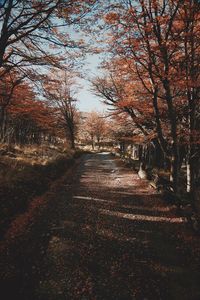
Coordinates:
[35,34]
[149,36]
[121,90]
[190,19]
[96,127]
[8,85]
[58,90]
[31,31]
[27,120]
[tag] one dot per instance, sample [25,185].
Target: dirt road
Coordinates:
[117,240]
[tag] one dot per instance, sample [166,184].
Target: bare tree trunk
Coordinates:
[175,170]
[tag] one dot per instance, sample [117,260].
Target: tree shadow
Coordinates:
[116,243]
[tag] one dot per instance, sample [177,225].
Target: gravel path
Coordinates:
[117,240]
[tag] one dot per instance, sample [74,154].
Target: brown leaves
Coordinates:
[112,18]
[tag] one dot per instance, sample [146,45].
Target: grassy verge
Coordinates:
[27,234]
[21,182]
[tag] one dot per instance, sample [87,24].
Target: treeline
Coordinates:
[152,80]
[26,120]
[94,129]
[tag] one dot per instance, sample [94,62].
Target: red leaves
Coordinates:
[25,106]
[112,18]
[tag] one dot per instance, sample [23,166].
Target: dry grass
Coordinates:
[27,173]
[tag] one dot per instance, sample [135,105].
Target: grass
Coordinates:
[24,178]
[26,223]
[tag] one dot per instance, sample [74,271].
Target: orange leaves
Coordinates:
[112,18]
[95,125]
[25,107]
[133,43]
[178,26]
[163,20]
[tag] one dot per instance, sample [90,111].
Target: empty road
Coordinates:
[115,239]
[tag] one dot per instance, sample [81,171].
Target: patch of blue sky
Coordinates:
[87,101]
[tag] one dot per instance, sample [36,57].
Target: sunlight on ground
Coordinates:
[104,153]
[137,217]
[137,207]
[93,199]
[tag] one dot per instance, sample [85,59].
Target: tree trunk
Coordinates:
[175,169]
[190,171]
[72,139]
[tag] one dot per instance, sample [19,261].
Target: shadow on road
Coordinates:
[116,240]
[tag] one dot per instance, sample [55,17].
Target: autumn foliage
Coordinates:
[153,77]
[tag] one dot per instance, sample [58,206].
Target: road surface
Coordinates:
[115,239]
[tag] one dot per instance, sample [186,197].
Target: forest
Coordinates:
[148,81]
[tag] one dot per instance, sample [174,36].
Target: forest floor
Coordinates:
[108,235]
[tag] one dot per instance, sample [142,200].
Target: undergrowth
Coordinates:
[20,182]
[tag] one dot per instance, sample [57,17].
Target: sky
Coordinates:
[87,101]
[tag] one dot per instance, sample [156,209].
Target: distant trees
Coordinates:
[27,120]
[94,128]
[59,91]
